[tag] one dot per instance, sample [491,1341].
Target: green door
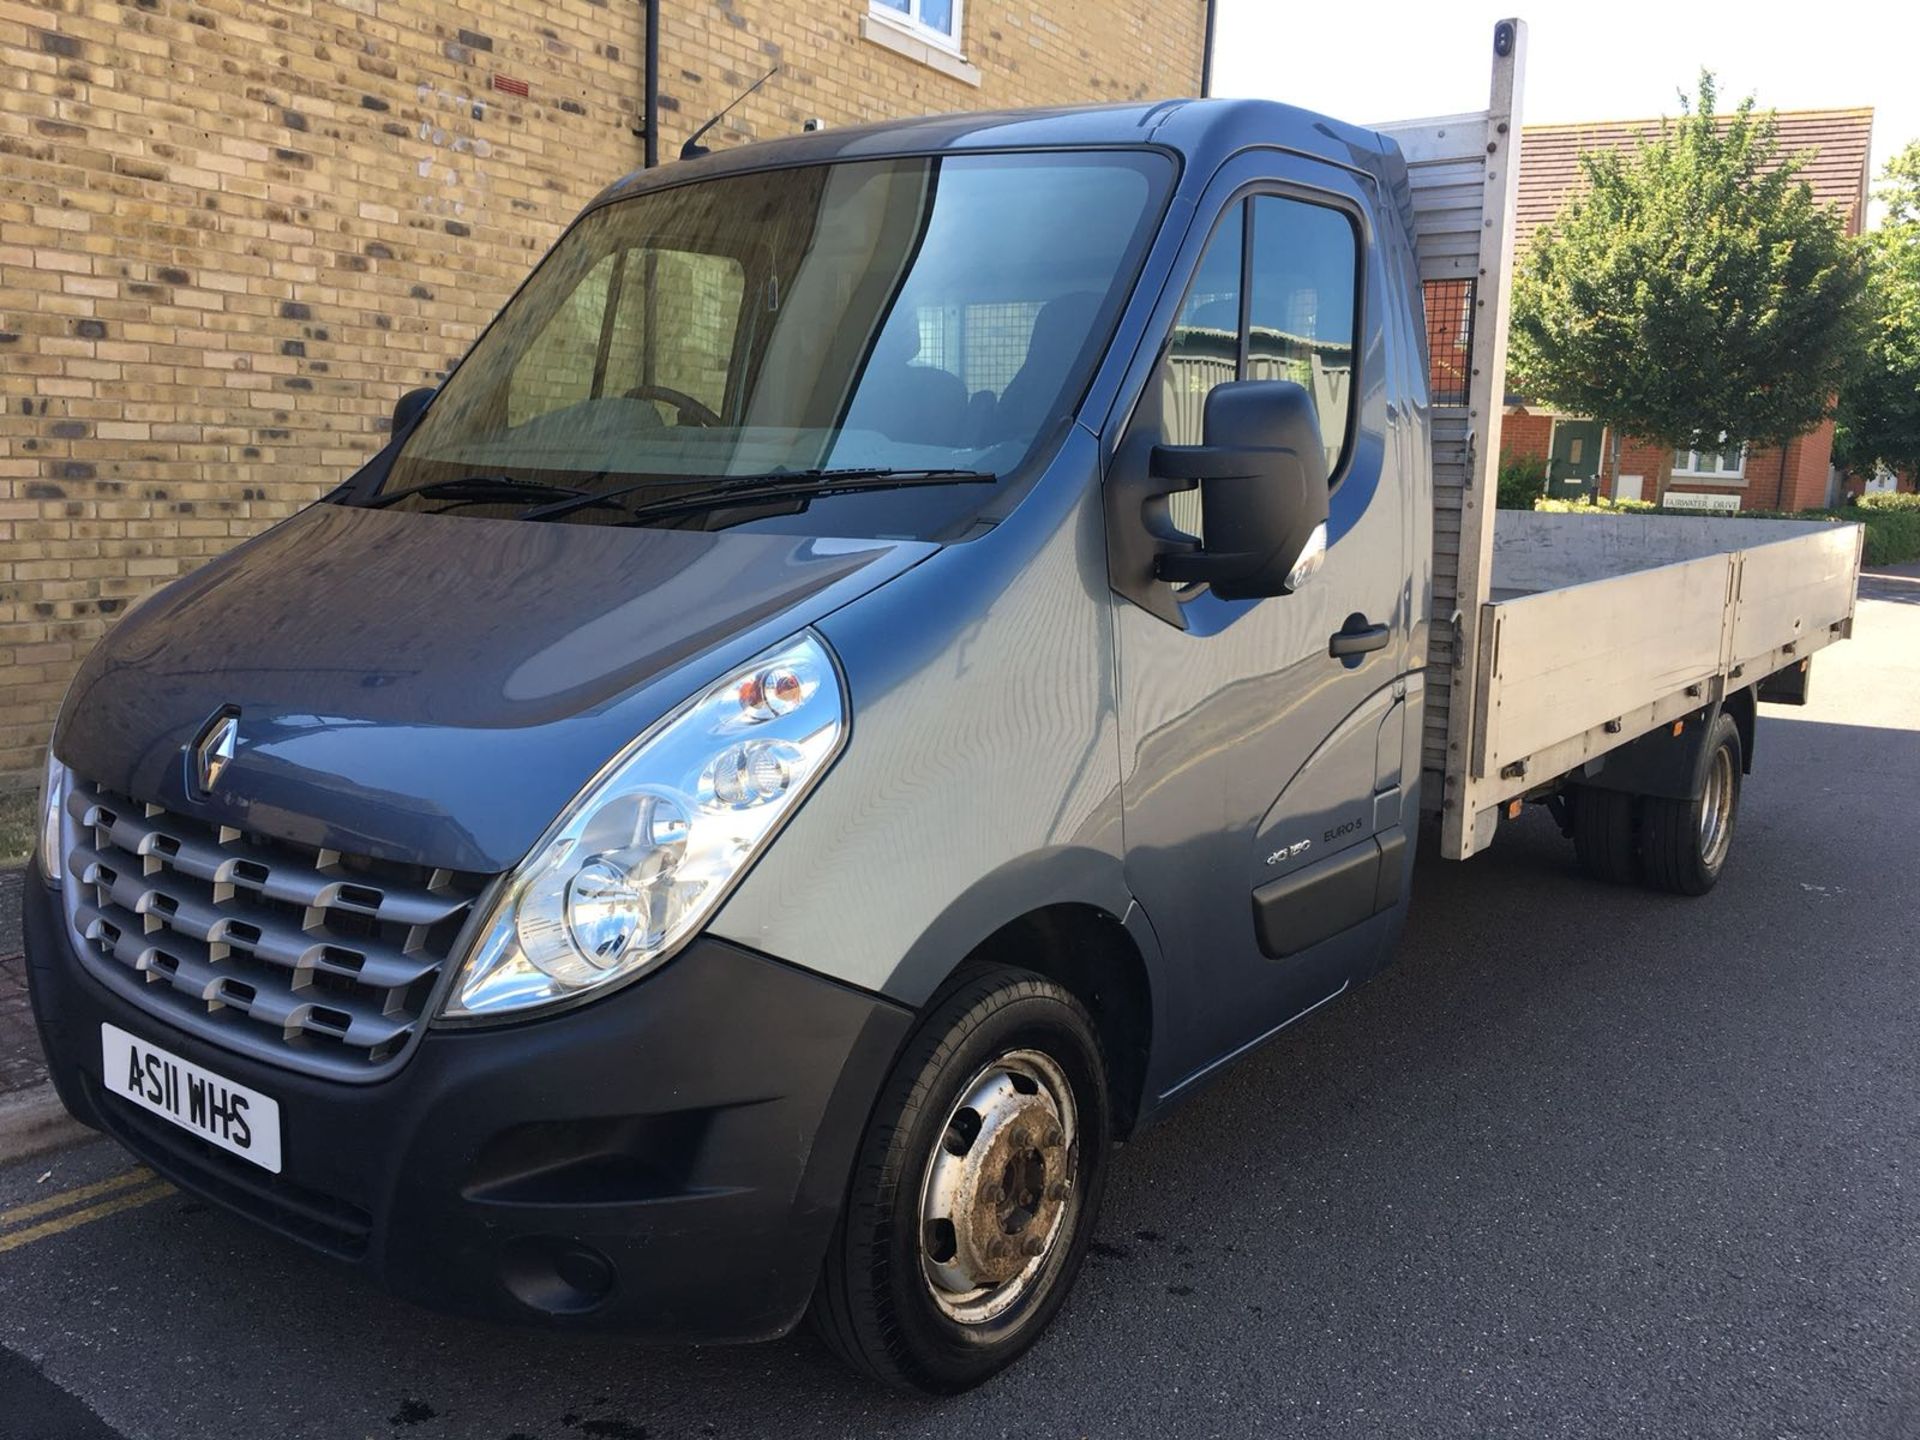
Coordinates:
[1573,467]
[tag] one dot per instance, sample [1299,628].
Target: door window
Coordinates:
[1303,307]
[1205,349]
[1276,297]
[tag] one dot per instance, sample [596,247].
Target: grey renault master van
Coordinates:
[898,654]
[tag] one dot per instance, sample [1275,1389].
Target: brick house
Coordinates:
[1796,476]
[233,232]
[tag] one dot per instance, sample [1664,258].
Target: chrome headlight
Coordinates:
[648,850]
[53,800]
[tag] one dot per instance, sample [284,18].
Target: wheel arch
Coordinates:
[1669,761]
[1090,952]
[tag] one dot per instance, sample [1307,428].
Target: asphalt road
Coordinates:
[1586,1162]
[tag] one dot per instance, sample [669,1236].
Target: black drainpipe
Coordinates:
[651,119]
[1206,52]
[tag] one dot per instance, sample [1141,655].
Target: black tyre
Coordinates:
[975,1190]
[1684,843]
[1606,834]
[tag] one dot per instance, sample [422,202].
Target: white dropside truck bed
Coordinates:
[1556,638]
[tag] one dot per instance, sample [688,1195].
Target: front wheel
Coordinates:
[1684,843]
[976,1188]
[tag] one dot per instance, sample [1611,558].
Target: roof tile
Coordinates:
[1837,170]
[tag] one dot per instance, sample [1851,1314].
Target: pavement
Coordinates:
[22,1067]
[1585,1162]
[32,1120]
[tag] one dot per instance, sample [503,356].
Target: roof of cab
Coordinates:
[1204,132]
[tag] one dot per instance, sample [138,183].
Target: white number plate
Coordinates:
[231,1116]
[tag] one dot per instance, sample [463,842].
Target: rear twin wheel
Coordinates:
[1675,845]
[1684,843]
[1606,834]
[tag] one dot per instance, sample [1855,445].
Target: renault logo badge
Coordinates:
[213,751]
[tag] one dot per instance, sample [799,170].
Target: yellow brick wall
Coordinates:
[232,232]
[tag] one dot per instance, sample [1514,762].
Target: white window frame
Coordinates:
[1691,470]
[909,20]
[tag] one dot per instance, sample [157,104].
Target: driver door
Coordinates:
[1260,772]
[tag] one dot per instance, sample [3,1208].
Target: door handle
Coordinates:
[1357,637]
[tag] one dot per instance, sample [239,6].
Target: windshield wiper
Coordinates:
[487,487]
[773,485]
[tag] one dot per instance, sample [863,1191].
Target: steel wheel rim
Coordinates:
[1716,809]
[1001,1188]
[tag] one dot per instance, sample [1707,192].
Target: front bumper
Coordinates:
[670,1159]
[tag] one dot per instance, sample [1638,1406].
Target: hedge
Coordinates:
[1520,483]
[1892,522]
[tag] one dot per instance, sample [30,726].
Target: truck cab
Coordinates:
[898,654]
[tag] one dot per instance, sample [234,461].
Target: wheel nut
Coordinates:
[1032,1245]
[992,1195]
[999,1250]
[1057,1190]
[1055,1138]
[1022,1138]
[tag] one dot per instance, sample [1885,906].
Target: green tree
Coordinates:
[1695,289]
[1879,421]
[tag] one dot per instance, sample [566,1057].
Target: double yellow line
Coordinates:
[79,1206]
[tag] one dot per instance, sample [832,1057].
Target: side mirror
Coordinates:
[1262,475]
[407,408]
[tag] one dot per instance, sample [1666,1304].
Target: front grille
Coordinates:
[314,959]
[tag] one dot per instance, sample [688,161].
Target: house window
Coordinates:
[935,20]
[1728,463]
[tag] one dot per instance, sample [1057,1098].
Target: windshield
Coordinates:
[903,315]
